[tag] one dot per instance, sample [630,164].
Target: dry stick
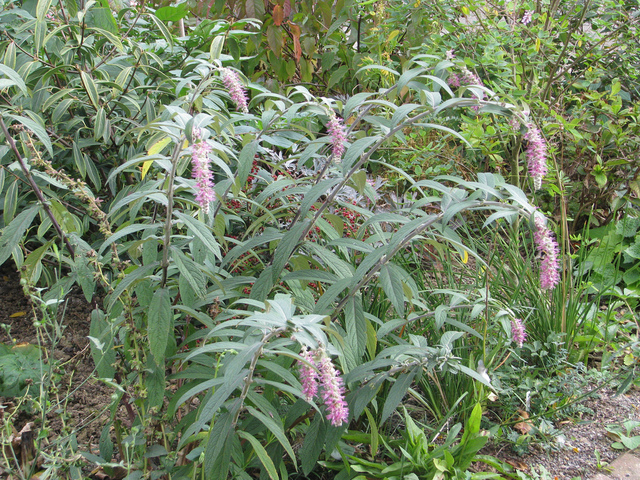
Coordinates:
[36,189]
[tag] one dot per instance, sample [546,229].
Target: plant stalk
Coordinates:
[36,189]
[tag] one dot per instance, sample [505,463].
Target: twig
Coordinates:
[36,189]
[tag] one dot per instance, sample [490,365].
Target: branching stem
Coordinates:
[36,189]
[254,361]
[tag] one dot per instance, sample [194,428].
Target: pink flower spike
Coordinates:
[536,155]
[235,88]
[333,392]
[548,247]
[200,150]
[526,18]
[454,80]
[467,78]
[308,375]
[518,332]
[338,136]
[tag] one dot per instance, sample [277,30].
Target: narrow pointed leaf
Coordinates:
[160,321]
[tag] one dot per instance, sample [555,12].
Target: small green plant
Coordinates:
[20,369]
[414,456]
[623,434]
[614,261]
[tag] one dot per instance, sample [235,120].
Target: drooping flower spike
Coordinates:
[338,134]
[518,332]
[235,88]
[333,392]
[536,155]
[467,77]
[201,171]
[548,247]
[308,375]
[323,374]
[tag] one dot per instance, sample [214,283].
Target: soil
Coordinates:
[79,406]
[582,447]
[578,452]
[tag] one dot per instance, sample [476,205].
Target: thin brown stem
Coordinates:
[36,189]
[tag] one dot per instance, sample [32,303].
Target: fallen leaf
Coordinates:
[613,436]
[517,464]
[524,426]
[18,314]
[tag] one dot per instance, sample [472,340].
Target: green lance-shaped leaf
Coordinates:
[201,231]
[355,151]
[105,444]
[402,112]
[397,392]
[10,201]
[172,13]
[356,326]
[155,383]
[331,260]
[100,18]
[315,193]
[14,232]
[36,128]
[123,232]
[313,444]
[391,283]
[269,235]
[276,428]
[40,33]
[191,272]
[101,126]
[13,80]
[360,398]
[245,162]
[164,31]
[101,336]
[354,102]
[216,47]
[72,7]
[409,75]
[262,454]
[159,322]
[219,447]
[234,376]
[285,248]
[332,293]
[91,89]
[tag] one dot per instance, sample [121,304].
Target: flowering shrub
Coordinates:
[224,243]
